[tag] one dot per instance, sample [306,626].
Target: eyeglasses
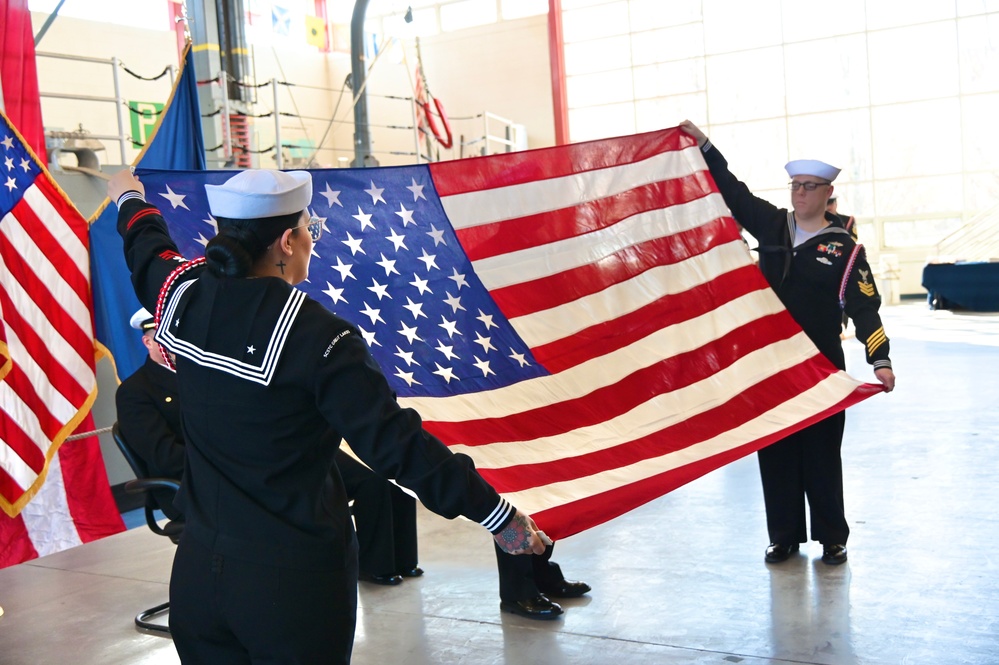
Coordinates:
[315,226]
[809,186]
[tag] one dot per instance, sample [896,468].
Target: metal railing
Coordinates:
[978,240]
[118,100]
[495,130]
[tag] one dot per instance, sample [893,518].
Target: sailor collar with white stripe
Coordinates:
[260,369]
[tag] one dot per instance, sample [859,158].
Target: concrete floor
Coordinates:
[680,580]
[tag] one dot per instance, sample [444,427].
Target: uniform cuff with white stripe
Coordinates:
[500,517]
[127,196]
[878,364]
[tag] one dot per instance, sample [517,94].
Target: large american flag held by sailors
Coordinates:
[585,321]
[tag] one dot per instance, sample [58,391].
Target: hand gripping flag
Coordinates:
[585,321]
[47,380]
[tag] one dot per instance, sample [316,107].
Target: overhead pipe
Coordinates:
[362,135]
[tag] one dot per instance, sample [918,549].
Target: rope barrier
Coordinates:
[84,435]
[148,112]
[165,71]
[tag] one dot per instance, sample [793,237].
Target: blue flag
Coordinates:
[176,143]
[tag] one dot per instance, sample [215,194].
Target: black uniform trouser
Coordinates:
[385,518]
[225,611]
[520,575]
[806,463]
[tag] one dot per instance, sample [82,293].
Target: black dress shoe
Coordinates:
[565,589]
[386,580]
[415,571]
[778,552]
[834,555]
[538,607]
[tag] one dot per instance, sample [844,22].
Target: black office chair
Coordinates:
[143,483]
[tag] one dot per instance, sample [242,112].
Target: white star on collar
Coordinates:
[250,349]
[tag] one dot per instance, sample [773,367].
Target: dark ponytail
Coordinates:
[240,242]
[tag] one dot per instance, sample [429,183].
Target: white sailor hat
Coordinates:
[257,193]
[812,167]
[142,320]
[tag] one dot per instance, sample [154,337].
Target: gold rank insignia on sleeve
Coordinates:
[866,287]
[876,339]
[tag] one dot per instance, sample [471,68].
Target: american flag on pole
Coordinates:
[47,379]
[585,321]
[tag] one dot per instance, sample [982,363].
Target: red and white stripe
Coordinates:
[47,343]
[619,264]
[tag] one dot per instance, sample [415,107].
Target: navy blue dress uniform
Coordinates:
[385,521]
[267,567]
[384,516]
[819,281]
[528,583]
[149,420]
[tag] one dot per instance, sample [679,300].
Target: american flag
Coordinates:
[47,380]
[584,321]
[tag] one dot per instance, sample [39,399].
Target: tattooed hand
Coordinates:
[520,536]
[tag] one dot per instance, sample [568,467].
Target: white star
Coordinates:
[201,240]
[484,343]
[331,196]
[363,218]
[369,337]
[415,308]
[26,165]
[375,193]
[459,278]
[445,373]
[373,314]
[211,221]
[454,301]
[355,245]
[519,357]
[429,259]
[380,290]
[484,366]
[176,200]
[487,320]
[421,284]
[388,265]
[406,376]
[335,293]
[438,236]
[250,349]
[410,333]
[11,184]
[397,240]
[8,143]
[450,326]
[448,351]
[417,191]
[407,357]
[347,269]
[407,216]
[9,163]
